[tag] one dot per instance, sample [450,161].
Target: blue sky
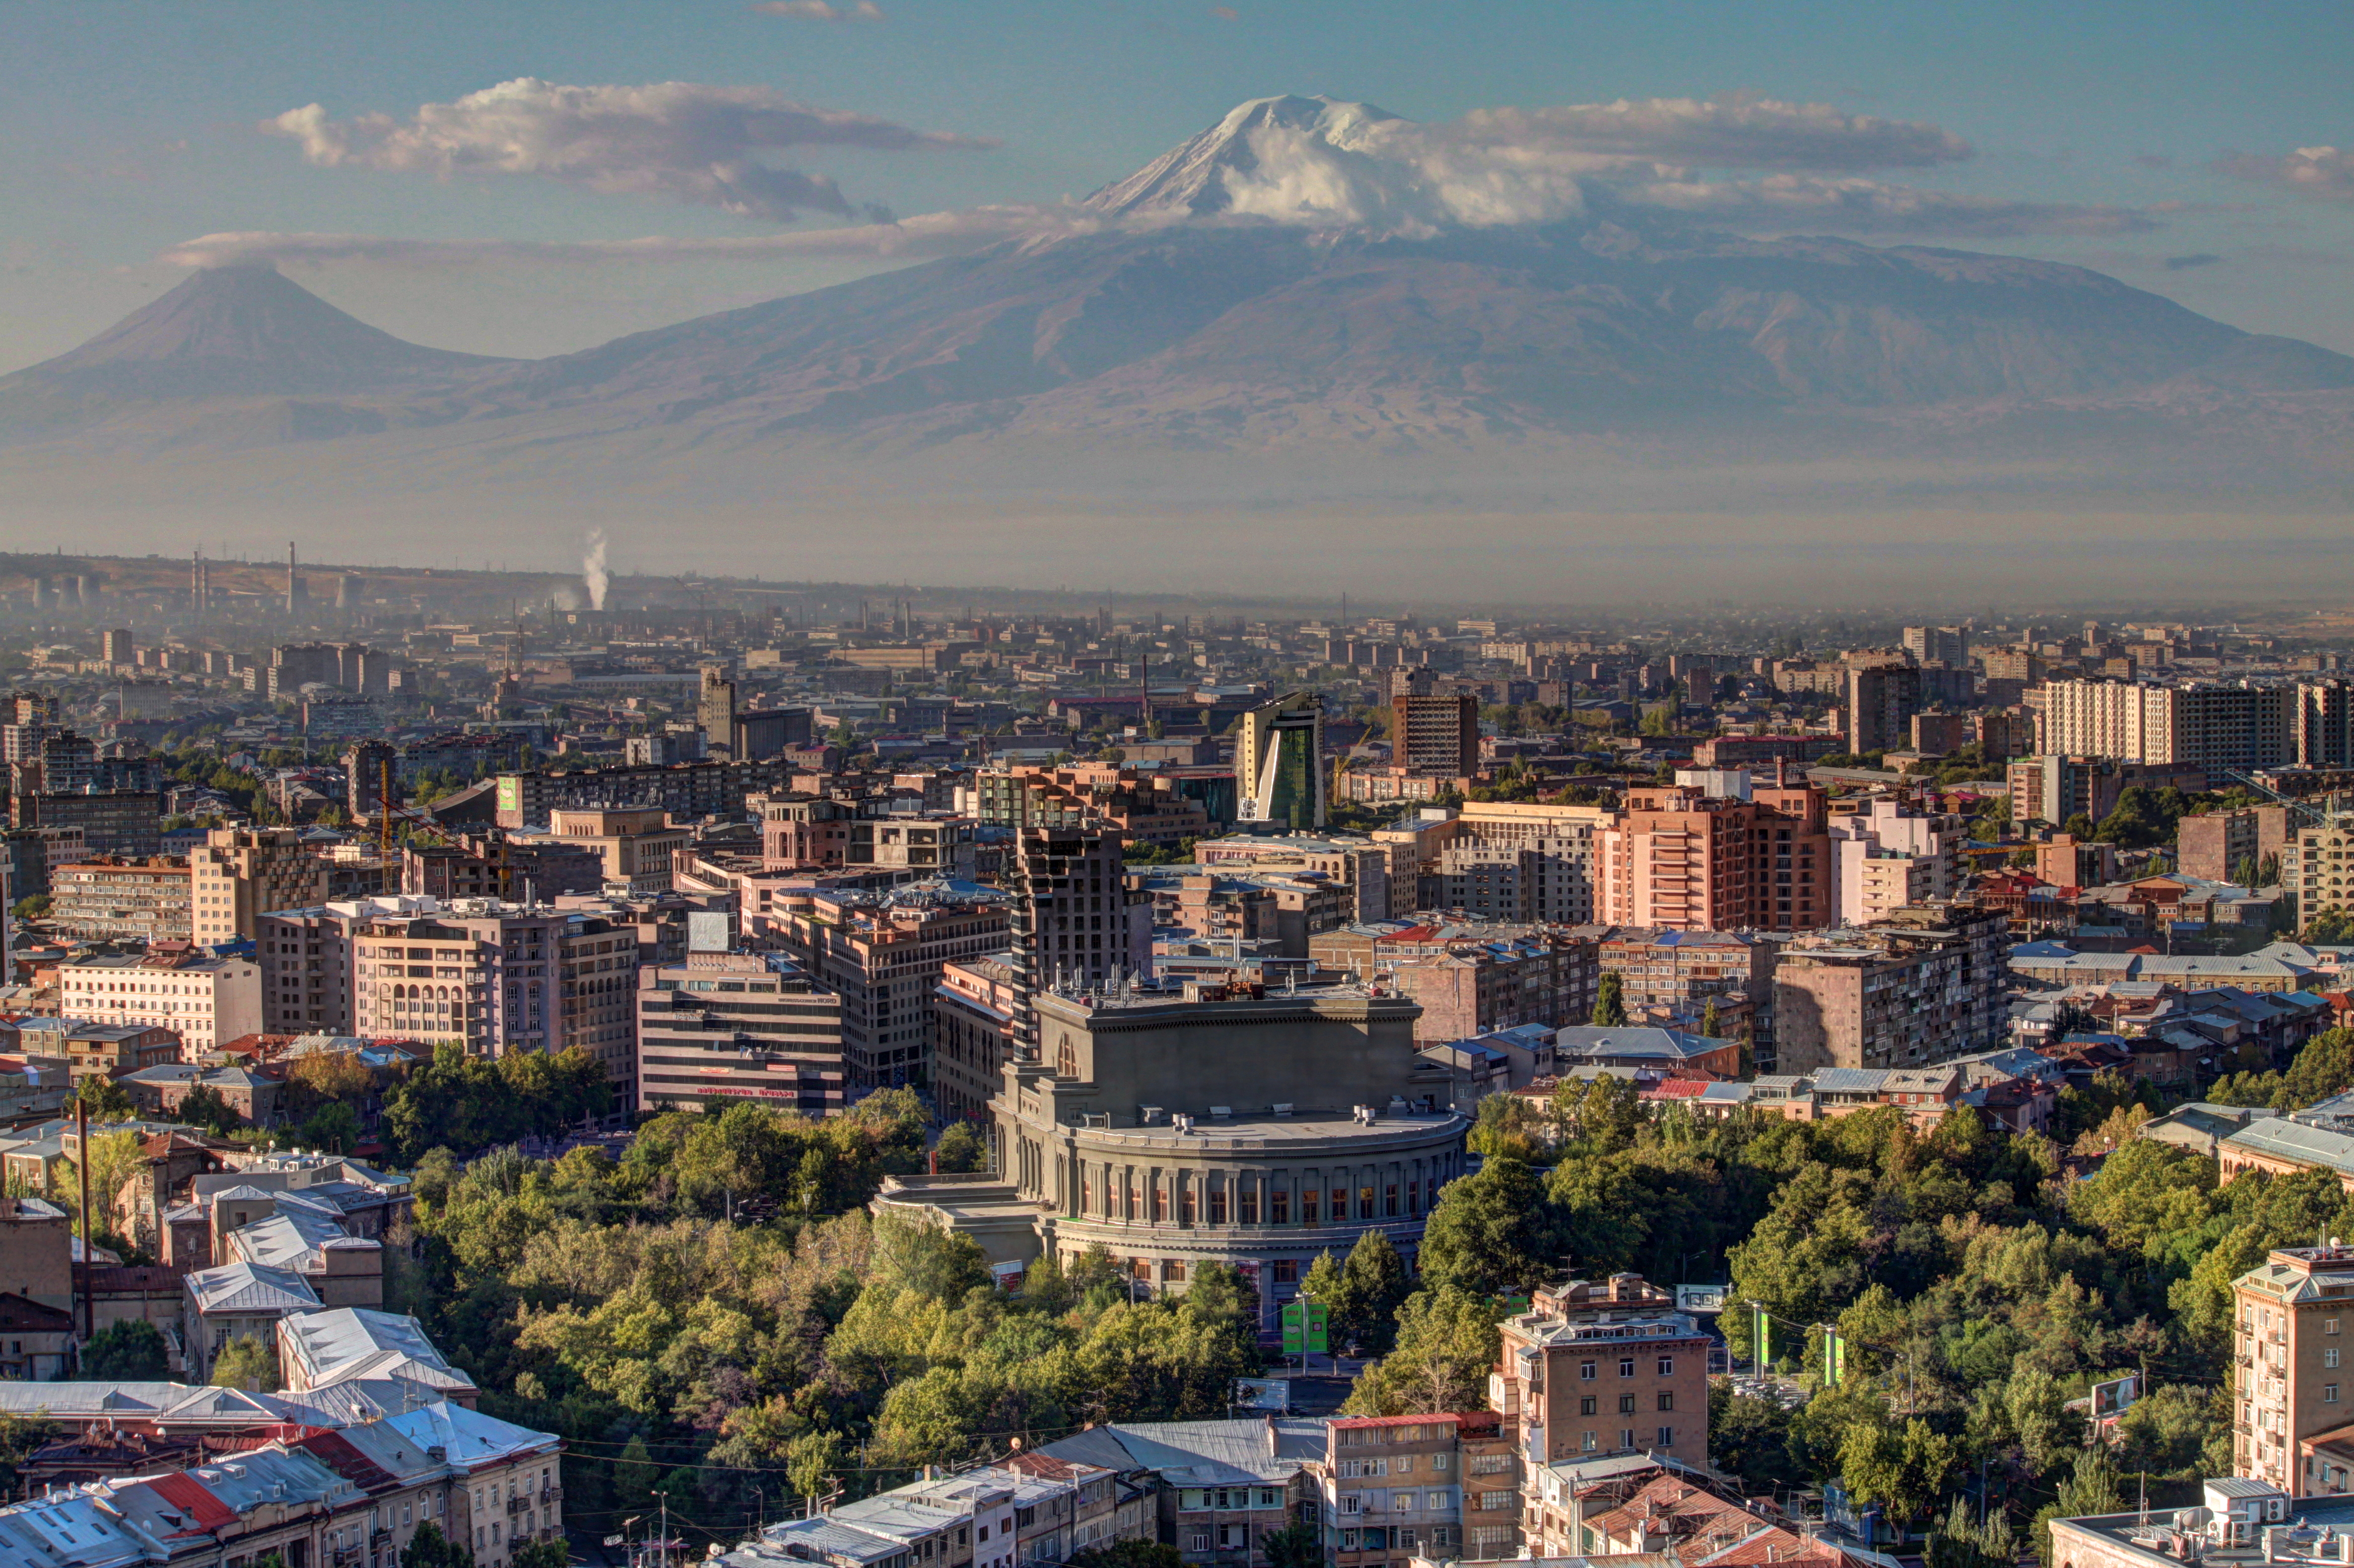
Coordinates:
[135,127]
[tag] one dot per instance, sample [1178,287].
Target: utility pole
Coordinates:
[82,1132]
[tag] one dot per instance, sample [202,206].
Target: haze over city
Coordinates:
[1572,302]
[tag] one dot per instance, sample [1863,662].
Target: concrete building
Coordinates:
[2219,726]
[1175,1130]
[120,901]
[1369,868]
[1436,733]
[1215,1489]
[2217,844]
[1948,645]
[728,1026]
[1919,987]
[2318,868]
[636,844]
[1472,979]
[205,1000]
[1890,857]
[1881,702]
[1682,858]
[1602,1368]
[2291,1381]
[1076,922]
[973,1010]
[241,873]
[1390,1484]
[882,954]
[1280,762]
[1671,974]
[306,971]
[2053,786]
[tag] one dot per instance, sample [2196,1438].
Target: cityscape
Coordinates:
[923,786]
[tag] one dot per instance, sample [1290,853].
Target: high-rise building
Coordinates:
[881,953]
[1440,734]
[2219,844]
[1881,702]
[1948,645]
[114,646]
[1682,858]
[1077,923]
[2325,723]
[2221,726]
[242,872]
[205,1001]
[1923,986]
[715,710]
[1280,762]
[2293,1316]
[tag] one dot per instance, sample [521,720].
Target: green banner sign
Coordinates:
[1307,1328]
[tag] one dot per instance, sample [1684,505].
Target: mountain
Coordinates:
[1192,325]
[237,331]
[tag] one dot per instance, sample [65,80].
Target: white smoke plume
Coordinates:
[593,574]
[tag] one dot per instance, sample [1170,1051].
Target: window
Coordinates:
[1353,1502]
[1587,1442]
[2329,1325]
[1585,1372]
[1246,1206]
[1199,1540]
[1172,1271]
[1626,1404]
[1626,1437]
[1667,1366]
[1269,1498]
[1187,1205]
[1667,1400]
[1439,1461]
[1389,1200]
[2330,1357]
[2328,1393]
[1287,1271]
[1496,1502]
[1588,1405]
[1626,1366]
[1279,1212]
[1667,1437]
[1340,1205]
[1307,1205]
[1366,1203]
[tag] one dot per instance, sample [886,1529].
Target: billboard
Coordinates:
[1263,1395]
[1700,1297]
[2115,1396]
[1307,1328]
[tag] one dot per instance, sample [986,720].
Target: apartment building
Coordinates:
[1472,979]
[1948,645]
[2219,726]
[972,1034]
[1367,868]
[1683,858]
[497,979]
[1922,986]
[1553,849]
[2316,868]
[1603,1368]
[1436,733]
[636,844]
[239,874]
[1674,976]
[1077,921]
[2217,844]
[205,1000]
[1891,855]
[728,1026]
[1881,702]
[121,901]
[1389,1486]
[2292,1381]
[2053,786]
[306,971]
[881,953]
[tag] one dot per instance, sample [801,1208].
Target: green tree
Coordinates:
[540,1554]
[107,1099]
[963,1148]
[246,1362]
[205,1107]
[1372,1285]
[132,1350]
[1490,1234]
[1294,1546]
[429,1548]
[1446,1341]
[1902,1469]
[1128,1555]
[1609,1002]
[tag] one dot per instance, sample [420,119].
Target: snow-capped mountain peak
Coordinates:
[1220,169]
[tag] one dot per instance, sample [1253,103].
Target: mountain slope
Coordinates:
[1191,325]
[241,330]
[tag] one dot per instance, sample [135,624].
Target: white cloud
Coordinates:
[1737,132]
[1788,203]
[2325,173]
[822,10]
[684,140]
[931,234]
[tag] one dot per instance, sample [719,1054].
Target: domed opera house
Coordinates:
[1208,1125]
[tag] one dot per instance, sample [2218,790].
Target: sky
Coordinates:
[2191,150]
